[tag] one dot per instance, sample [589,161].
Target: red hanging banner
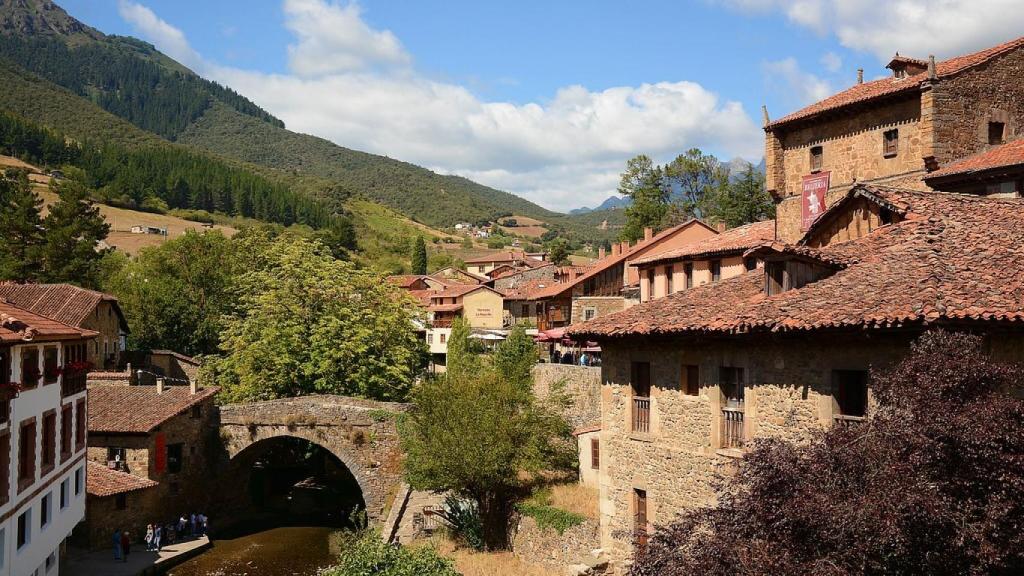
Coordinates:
[160,461]
[813,202]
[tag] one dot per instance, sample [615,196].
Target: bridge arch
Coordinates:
[361,434]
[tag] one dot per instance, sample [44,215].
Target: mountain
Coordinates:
[137,83]
[611,203]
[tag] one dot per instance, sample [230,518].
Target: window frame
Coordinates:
[24,530]
[30,375]
[669,272]
[1001,135]
[690,375]
[688,274]
[842,402]
[817,158]
[179,465]
[890,143]
[27,429]
[51,374]
[48,443]
[595,453]
[715,267]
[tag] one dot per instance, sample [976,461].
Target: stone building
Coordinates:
[78,307]
[709,260]
[893,130]
[689,380]
[116,500]
[168,438]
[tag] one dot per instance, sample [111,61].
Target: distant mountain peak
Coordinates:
[41,18]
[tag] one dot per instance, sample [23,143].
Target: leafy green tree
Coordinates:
[74,229]
[694,177]
[515,357]
[558,252]
[368,555]
[476,430]
[742,201]
[419,256]
[21,229]
[644,183]
[307,323]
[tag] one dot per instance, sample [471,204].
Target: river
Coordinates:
[292,551]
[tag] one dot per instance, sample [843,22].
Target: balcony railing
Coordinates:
[641,415]
[72,383]
[441,323]
[847,421]
[732,428]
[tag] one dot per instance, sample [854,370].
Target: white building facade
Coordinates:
[43,431]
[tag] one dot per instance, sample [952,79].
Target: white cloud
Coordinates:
[334,38]
[167,38]
[913,27]
[562,153]
[831,61]
[794,84]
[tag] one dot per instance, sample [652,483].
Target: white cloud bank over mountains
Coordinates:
[357,87]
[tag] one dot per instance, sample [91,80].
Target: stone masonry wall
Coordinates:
[581,386]
[602,306]
[788,395]
[545,546]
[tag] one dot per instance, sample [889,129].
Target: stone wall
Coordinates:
[601,305]
[104,517]
[966,103]
[546,547]
[107,344]
[541,273]
[581,386]
[360,433]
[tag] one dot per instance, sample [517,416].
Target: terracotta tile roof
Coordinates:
[19,325]
[404,280]
[734,240]
[829,258]
[459,290]
[509,256]
[102,481]
[179,356]
[956,258]
[422,295]
[139,409]
[62,302]
[439,275]
[1009,154]
[596,427]
[527,289]
[890,86]
[444,307]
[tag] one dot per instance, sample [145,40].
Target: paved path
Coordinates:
[101,562]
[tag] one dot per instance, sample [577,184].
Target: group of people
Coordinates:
[158,535]
[573,357]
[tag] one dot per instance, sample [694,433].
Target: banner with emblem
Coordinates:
[814,188]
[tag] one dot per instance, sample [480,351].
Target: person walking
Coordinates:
[125,545]
[192,525]
[117,544]
[158,534]
[149,538]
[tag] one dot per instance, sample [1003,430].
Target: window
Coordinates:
[65,431]
[80,425]
[641,383]
[640,517]
[26,453]
[595,453]
[732,389]
[430,338]
[3,547]
[5,466]
[589,314]
[79,477]
[65,490]
[51,369]
[775,278]
[669,271]
[45,510]
[691,380]
[49,441]
[731,381]
[816,158]
[197,411]
[650,283]
[443,338]
[480,269]
[850,392]
[716,270]
[51,561]
[29,367]
[24,528]
[688,273]
[890,143]
[175,457]
[995,132]
[749,264]
[1007,188]
[121,501]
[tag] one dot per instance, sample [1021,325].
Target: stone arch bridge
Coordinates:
[361,433]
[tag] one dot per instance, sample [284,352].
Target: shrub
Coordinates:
[550,517]
[465,519]
[368,555]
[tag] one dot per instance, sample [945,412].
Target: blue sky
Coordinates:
[545,99]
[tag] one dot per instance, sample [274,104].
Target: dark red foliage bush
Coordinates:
[932,483]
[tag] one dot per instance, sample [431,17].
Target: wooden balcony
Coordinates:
[72,382]
[441,323]
[733,436]
[641,415]
[847,421]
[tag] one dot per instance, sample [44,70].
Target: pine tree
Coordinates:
[643,182]
[74,228]
[419,256]
[21,231]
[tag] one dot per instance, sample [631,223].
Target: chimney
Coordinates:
[931,66]
[720,226]
[860,75]
[601,253]
[159,385]
[193,386]
[624,246]
[648,233]
[764,114]
[616,247]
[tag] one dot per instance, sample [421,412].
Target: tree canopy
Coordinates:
[932,483]
[477,428]
[419,256]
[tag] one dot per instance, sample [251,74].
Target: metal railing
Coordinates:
[732,428]
[72,383]
[641,414]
